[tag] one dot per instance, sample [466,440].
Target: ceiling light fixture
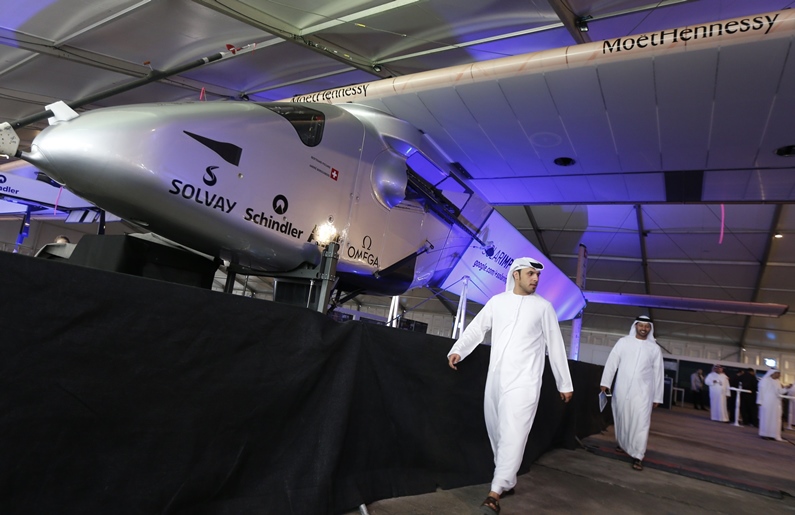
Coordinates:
[564,161]
[582,23]
[786,151]
[778,235]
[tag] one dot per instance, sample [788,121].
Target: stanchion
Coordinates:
[737,403]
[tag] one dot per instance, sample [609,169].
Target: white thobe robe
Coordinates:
[523,327]
[639,384]
[769,400]
[718,391]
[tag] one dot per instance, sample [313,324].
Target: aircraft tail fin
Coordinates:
[60,112]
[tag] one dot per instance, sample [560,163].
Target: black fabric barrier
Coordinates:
[126,395]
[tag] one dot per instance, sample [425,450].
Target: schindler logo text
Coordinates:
[284,226]
[7,189]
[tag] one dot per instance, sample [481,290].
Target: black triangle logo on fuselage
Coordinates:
[229,152]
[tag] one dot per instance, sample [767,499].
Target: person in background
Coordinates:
[748,407]
[698,389]
[769,400]
[637,365]
[718,385]
[791,408]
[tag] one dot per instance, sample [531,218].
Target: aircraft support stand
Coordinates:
[327,276]
[576,324]
[308,287]
[394,307]
[229,286]
[461,314]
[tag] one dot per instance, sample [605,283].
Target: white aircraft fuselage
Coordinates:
[258,185]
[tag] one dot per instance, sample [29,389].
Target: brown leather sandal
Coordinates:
[491,504]
[637,465]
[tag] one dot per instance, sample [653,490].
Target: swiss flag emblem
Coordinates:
[334,174]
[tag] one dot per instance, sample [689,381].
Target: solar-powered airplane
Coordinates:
[266,186]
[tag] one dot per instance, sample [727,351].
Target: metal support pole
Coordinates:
[24,230]
[576,324]
[737,403]
[576,329]
[328,276]
[460,316]
[229,286]
[101,222]
[393,311]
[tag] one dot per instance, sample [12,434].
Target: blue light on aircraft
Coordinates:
[425,168]
[488,273]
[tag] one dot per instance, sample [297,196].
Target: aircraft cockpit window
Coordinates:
[308,123]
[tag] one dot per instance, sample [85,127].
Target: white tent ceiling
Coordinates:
[716,243]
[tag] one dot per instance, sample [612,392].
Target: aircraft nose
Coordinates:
[87,152]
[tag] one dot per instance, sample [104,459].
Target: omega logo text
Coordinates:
[364,254]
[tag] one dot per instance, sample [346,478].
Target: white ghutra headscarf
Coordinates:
[519,264]
[643,318]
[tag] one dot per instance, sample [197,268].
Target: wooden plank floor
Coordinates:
[693,465]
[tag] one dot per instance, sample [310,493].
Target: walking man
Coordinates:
[637,365]
[524,328]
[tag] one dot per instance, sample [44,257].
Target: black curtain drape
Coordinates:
[126,395]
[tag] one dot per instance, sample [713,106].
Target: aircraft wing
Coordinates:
[679,115]
[19,188]
[486,269]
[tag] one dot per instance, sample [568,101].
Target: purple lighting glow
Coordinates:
[487,274]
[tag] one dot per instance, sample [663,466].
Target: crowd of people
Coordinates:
[760,399]
[524,328]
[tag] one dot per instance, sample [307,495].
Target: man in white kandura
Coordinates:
[791,411]
[768,396]
[523,325]
[639,387]
[718,384]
